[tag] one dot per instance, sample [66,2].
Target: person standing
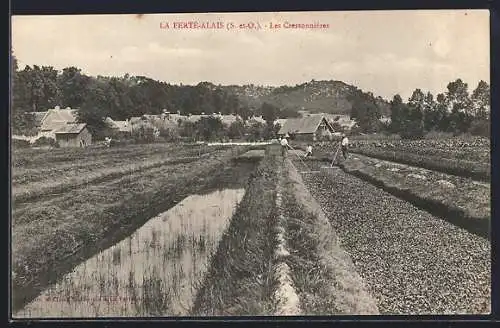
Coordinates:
[284,146]
[345,145]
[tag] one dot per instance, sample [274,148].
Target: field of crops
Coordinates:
[169,230]
[456,156]
[412,261]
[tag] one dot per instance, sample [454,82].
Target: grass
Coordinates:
[324,275]
[93,218]
[239,281]
[34,158]
[48,188]
[56,179]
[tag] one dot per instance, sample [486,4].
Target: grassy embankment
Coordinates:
[51,236]
[469,169]
[239,279]
[324,275]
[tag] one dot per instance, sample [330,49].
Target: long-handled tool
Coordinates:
[335,156]
[310,171]
[329,168]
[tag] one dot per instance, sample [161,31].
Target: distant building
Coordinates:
[61,125]
[55,119]
[256,119]
[123,127]
[312,127]
[120,128]
[73,135]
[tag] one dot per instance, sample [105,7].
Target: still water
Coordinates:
[154,272]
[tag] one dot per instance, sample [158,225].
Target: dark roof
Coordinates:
[71,128]
[308,124]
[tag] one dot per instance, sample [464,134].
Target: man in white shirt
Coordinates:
[284,146]
[345,145]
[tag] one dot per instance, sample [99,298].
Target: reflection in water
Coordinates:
[154,272]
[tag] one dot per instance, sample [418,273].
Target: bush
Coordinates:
[169,134]
[19,143]
[143,134]
[436,135]
[412,133]
[45,141]
[480,128]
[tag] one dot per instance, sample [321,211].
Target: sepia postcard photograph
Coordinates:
[313,163]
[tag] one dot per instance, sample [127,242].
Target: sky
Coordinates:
[385,52]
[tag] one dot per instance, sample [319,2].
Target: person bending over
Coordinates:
[309,151]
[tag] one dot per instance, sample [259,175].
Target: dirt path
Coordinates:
[413,262]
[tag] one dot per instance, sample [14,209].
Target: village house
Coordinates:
[73,135]
[62,126]
[161,121]
[255,119]
[56,119]
[172,121]
[119,128]
[312,127]
[123,128]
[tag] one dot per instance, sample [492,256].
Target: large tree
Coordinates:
[460,105]
[73,87]
[209,127]
[236,129]
[416,106]
[457,96]
[365,111]
[95,108]
[481,100]
[399,113]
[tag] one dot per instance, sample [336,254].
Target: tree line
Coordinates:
[454,111]
[38,88]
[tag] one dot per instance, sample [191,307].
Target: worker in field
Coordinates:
[284,146]
[107,141]
[345,145]
[308,151]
